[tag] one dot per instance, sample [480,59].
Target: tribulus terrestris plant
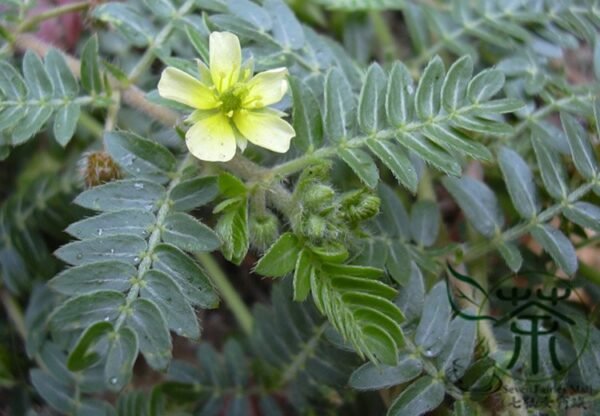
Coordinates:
[328,207]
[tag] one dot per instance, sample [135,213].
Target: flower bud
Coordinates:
[98,168]
[264,230]
[315,227]
[357,206]
[318,196]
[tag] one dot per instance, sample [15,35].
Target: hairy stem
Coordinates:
[227,292]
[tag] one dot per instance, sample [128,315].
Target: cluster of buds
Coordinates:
[326,216]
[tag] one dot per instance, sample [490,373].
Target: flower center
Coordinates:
[231,102]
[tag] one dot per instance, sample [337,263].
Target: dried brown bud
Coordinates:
[99,168]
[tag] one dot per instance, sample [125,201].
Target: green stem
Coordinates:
[13,311]
[481,249]
[153,241]
[227,291]
[148,56]
[90,124]
[590,273]
[52,13]
[385,37]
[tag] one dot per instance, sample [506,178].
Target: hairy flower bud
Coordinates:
[318,196]
[98,168]
[264,230]
[357,206]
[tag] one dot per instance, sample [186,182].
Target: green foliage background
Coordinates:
[428,132]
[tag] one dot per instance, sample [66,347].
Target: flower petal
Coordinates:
[225,59]
[212,139]
[265,129]
[178,86]
[266,88]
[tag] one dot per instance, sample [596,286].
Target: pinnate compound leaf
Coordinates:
[82,311]
[371,103]
[432,330]
[427,96]
[399,95]
[362,164]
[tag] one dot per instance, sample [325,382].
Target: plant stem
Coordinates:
[590,273]
[148,56]
[385,37]
[33,21]
[14,313]
[227,291]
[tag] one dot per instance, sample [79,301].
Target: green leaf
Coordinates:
[306,118]
[420,397]
[65,122]
[199,43]
[431,154]
[31,124]
[558,246]
[551,168]
[376,377]
[371,103]
[397,161]
[280,259]
[427,96]
[455,84]
[302,273]
[12,84]
[55,393]
[126,248]
[393,219]
[397,262]
[191,279]
[88,278]
[232,227]
[128,221]
[585,339]
[596,57]
[511,255]
[411,297]
[127,20]
[362,164]
[37,79]
[519,181]
[581,148]
[230,186]
[433,326]
[194,193]
[82,311]
[153,335]
[340,106]
[81,357]
[425,222]
[452,140]
[163,8]
[141,157]
[63,80]
[458,352]
[399,95]
[478,202]
[251,12]
[485,85]
[583,214]
[287,30]
[91,80]
[123,194]
[164,292]
[189,234]
[122,353]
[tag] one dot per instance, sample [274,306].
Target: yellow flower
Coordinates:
[231,105]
